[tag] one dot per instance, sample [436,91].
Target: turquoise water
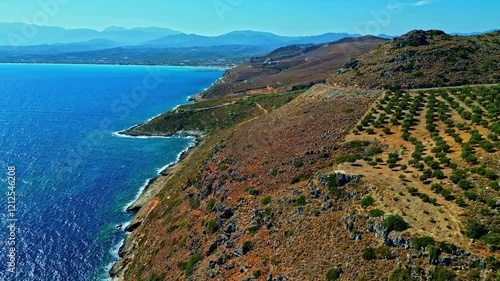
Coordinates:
[74,177]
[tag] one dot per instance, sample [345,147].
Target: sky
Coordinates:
[283,17]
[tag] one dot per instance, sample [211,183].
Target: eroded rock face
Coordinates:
[337,179]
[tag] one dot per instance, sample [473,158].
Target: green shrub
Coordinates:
[476,230]
[301,200]
[470,195]
[465,184]
[489,174]
[395,222]
[443,274]
[426,198]
[383,252]
[191,263]
[447,247]
[492,240]
[332,275]
[369,254]
[212,226]
[253,229]
[487,146]
[422,242]
[346,159]
[447,194]
[401,274]
[194,203]
[367,201]
[295,180]
[436,187]
[376,213]
[298,163]
[157,277]
[266,200]
[210,204]
[413,191]
[460,202]
[434,252]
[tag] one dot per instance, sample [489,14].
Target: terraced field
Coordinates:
[440,164]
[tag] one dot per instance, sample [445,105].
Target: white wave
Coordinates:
[114,253]
[146,182]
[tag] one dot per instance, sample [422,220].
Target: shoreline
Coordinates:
[151,186]
[201,66]
[144,193]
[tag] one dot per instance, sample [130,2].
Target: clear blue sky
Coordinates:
[285,17]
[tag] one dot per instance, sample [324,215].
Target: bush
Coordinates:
[194,203]
[447,194]
[346,159]
[191,263]
[413,191]
[489,174]
[367,201]
[266,200]
[447,248]
[332,275]
[301,201]
[212,226]
[210,204]
[458,175]
[476,230]
[436,187]
[376,213]
[395,222]
[465,184]
[487,146]
[442,274]
[253,229]
[470,195]
[369,254]
[433,252]
[492,240]
[422,242]
[438,174]
[400,274]
[298,163]
[383,252]
[460,202]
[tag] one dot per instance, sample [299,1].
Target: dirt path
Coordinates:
[262,108]
[204,108]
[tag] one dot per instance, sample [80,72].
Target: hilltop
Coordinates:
[424,59]
[322,182]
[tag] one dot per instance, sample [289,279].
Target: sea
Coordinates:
[66,177]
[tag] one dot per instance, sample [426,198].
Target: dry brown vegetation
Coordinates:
[422,59]
[292,67]
[360,184]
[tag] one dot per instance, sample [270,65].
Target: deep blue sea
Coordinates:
[74,177]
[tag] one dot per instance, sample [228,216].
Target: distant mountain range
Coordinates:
[20,34]
[20,42]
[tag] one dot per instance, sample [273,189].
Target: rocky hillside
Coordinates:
[422,59]
[291,67]
[331,183]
